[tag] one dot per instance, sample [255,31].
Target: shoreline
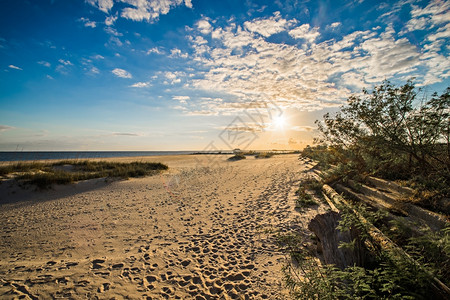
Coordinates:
[33,156]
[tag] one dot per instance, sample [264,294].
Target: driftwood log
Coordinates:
[440,290]
[324,227]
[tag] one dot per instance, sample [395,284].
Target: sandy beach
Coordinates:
[202,230]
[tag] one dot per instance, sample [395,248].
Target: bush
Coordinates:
[385,133]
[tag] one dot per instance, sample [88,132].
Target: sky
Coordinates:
[203,75]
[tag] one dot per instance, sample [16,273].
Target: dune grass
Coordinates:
[43,175]
[304,199]
[238,156]
[264,154]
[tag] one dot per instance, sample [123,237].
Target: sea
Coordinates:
[43,155]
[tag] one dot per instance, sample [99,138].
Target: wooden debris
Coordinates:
[324,227]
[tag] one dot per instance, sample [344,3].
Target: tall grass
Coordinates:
[44,175]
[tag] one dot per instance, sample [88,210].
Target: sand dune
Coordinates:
[191,233]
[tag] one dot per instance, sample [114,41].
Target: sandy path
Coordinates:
[206,239]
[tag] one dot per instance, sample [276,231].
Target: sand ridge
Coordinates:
[201,236]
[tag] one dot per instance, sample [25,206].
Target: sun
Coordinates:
[279,122]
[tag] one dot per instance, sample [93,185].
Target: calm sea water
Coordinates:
[41,155]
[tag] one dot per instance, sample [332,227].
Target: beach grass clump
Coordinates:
[304,199]
[20,167]
[264,155]
[44,175]
[237,156]
[313,185]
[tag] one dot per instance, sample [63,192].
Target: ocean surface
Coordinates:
[41,155]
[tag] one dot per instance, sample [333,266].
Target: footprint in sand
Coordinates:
[96,264]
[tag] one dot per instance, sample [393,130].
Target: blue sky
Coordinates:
[194,74]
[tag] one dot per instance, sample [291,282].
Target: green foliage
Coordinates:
[314,185]
[392,134]
[45,174]
[303,198]
[432,250]
[388,116]
[325,155]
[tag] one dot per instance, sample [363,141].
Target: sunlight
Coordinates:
[279,122]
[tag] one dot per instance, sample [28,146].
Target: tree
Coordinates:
[390,123]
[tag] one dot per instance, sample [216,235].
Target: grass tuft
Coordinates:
[264,155]
[303,198]
[238,156]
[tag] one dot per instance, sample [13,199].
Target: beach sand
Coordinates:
[202,230]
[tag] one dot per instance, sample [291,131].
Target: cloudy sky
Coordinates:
[202,74]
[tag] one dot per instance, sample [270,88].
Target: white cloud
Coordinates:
[303,128]
[64,66]
[125,134]
[333,26]
[199,40]
[173,77]
[155,50]
[121,73]
[354,79]
[441,33]
[177,53]
[88,23]
[181,99]
[188,3]
[311,76]
[109,21]
[103,5]
[304,32]
[98,56]
[15,67]
[117,41]
[247,127]
[65,62]
[435,14]
[203,26]
[268,26]
[44,63]
[95,70]
[5,128]
[417,24]
[112,31]
[202,113]
[61,69]
[434,8]
[149,10]
[140,84]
